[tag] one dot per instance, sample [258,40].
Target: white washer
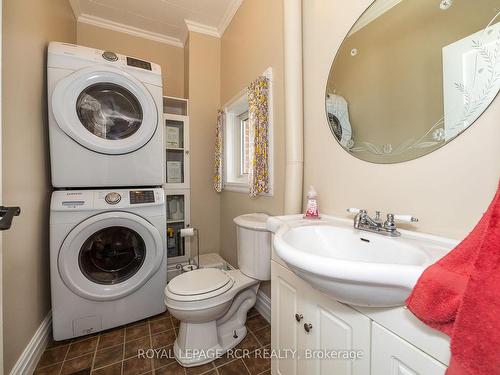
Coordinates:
[105,118]
[107,258]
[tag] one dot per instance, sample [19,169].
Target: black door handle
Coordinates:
[6,215]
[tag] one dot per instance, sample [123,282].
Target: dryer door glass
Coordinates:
[109,111]
[112,255]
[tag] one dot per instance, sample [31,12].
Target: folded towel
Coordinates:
[460,296]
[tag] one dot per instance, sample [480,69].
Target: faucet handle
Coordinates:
[354,211]
[407,218]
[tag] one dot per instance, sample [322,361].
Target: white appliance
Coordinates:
[107,260]
[105,118]
[212,304]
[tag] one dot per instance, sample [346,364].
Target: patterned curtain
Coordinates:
[258,110]
[221,119]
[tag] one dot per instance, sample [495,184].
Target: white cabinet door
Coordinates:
[284,327]
[335,330]
[392,355]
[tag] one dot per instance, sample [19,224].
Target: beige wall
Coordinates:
[447,190]
[252,43]
[204,91]
[170,58]
[28,26]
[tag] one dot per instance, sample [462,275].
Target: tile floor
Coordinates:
[115,352]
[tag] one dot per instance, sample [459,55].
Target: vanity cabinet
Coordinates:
[316,326]
[307,321]
[392,355]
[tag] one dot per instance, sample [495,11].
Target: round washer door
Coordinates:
[105,110]
[110,255]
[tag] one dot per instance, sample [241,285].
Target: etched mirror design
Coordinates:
[412,75]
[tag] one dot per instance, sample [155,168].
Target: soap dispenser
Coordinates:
[312,209]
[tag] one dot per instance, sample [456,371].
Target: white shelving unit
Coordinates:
[177,184]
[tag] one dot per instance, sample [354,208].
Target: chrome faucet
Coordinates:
[363,221]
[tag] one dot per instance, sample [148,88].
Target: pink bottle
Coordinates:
[312,209]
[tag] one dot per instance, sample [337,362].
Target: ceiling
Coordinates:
[166,21]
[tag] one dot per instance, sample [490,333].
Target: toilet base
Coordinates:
[200,343]
[198,357]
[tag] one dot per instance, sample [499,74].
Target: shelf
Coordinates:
[174,221]
[174,148]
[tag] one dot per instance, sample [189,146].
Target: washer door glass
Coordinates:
[112,255]
[106,110]
[109,111]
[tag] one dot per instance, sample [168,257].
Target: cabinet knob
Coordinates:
[298,317]
[308,327]
[187,152]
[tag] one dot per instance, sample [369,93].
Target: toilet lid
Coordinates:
[201,281]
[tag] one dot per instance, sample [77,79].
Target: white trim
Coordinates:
[135,31]
[263,305]
[29,358]
[228,16]
[1,192]
[202,28]
[377,9]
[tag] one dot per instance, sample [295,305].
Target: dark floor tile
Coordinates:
[172,369]
[268,372]
[263,335]
[111,338]
[257,365]
[77,364]
[166,338]
[223,360]
[256,322]
[160,316]
[79,348]
[249,343]
[132,347]
[115,369]
[53,344]
[54,355]
[85,371]
[136,331]
[233,368]
[49,370]
[176,322]
[136,366]
[160,325]
[164,357]
[108,356]
[198,370]
[252,312]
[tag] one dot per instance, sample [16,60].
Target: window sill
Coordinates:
[236,187]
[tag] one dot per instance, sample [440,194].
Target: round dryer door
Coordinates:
[105,110]
[110,255]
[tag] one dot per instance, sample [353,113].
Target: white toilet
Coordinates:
[212,304]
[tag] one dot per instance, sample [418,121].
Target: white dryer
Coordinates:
[105,118]
[107,258]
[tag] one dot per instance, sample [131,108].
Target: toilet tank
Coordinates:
[253,246]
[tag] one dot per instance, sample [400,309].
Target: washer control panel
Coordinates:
[113,198]
[142,196]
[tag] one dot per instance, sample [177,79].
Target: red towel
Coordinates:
[460,296]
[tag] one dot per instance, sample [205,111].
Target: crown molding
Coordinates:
[135,31]
[228,15]
[202,28]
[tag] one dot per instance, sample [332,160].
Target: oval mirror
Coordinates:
[412,75]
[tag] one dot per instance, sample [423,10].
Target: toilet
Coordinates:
[212,304]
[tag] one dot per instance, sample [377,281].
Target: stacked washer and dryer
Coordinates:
[107,215]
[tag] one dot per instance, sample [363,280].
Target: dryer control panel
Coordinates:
[83,200]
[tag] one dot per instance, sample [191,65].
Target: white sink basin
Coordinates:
[353,266]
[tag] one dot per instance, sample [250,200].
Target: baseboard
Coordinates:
[28,360]
[263,305]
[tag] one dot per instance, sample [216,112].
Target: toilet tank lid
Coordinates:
[255,221]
